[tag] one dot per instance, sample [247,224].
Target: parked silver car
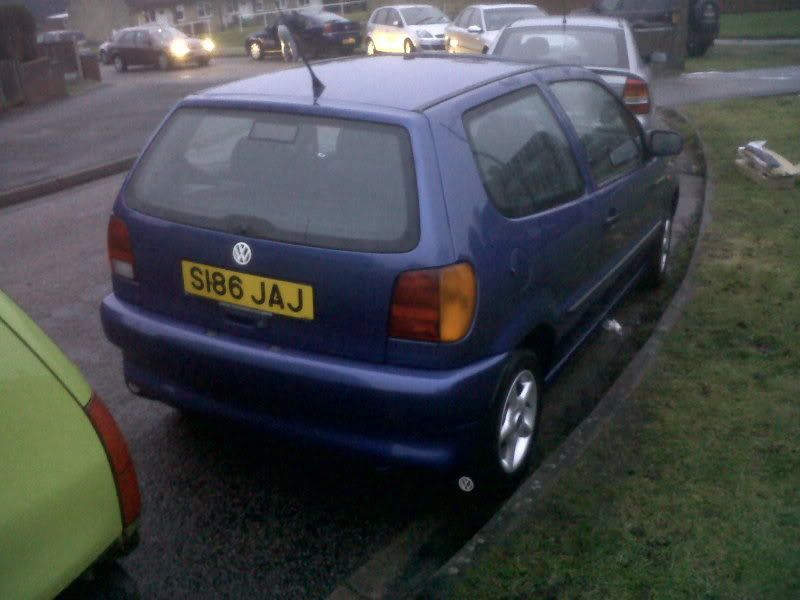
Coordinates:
[603,44]
[406,28]
[476,27]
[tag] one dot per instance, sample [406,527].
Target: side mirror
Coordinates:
[395,23]
[474,29]
[664,143]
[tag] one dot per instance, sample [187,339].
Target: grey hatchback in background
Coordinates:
[477,26]
[602,44]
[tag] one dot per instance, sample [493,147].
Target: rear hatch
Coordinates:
[288,229]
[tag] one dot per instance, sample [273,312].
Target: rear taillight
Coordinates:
[130,502]
[435,305]
[636,96]
[120,251]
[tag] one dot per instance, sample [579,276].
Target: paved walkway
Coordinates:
[757,42]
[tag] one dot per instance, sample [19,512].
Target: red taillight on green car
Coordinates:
[120,459]
[434,305]
[120,250]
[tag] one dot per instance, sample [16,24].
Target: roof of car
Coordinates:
[510,5]
[392,81]
[404,6]
[571,21]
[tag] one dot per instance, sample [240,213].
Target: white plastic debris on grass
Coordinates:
[763,165]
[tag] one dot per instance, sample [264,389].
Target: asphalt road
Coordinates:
[690,88]
[106,121]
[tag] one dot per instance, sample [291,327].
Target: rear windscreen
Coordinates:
[324,182]
[589,46]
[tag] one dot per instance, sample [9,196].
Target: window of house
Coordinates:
[204,10]
[179,13]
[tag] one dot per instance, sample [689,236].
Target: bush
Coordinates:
[17,33]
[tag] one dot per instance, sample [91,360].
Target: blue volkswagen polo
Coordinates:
[394,269]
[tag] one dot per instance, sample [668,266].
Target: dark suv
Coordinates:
[653,22]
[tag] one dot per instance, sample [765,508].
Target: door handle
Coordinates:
[611,219]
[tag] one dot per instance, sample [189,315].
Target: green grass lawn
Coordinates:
[694,490]
[736,58]
[782,23]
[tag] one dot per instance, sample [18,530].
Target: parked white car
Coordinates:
[406,28]
[476,27]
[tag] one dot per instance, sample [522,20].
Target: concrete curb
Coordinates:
[63,182]
[517,509]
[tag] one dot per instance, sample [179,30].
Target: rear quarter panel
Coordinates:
[58,503]
[508,307]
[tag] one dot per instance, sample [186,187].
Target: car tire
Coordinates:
[108,581]
[255,51]
[696,46]
[371,47]
[119,64]
[511,428]
[408,46]
[658,258]
[164,62]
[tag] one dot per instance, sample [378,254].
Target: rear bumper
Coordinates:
[420,417]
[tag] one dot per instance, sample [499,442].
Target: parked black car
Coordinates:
[159,46]
[653,22]
[317,32]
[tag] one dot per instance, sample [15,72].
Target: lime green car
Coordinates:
[69,497]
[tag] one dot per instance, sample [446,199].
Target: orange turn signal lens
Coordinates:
[435,305]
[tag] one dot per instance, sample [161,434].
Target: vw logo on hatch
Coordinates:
[242,253]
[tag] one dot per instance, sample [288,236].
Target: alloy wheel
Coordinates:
[518,421]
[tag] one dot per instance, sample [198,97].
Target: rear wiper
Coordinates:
[247,225]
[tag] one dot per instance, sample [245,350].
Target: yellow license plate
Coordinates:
[250,291]
[349,41]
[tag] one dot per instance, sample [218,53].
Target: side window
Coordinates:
[378,17]
[459,20]
[475,18]
[142,38]
[127,38]
[468,17]
[523,156]
[607,129]
[394,18]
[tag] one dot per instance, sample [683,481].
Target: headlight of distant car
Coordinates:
[423,33]
[208,45]
[179,48]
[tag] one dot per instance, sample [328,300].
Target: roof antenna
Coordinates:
[316,85]
[564,20]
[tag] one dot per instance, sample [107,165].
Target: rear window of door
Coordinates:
[315,181]
[143,39]
[522,154]
[609,132]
